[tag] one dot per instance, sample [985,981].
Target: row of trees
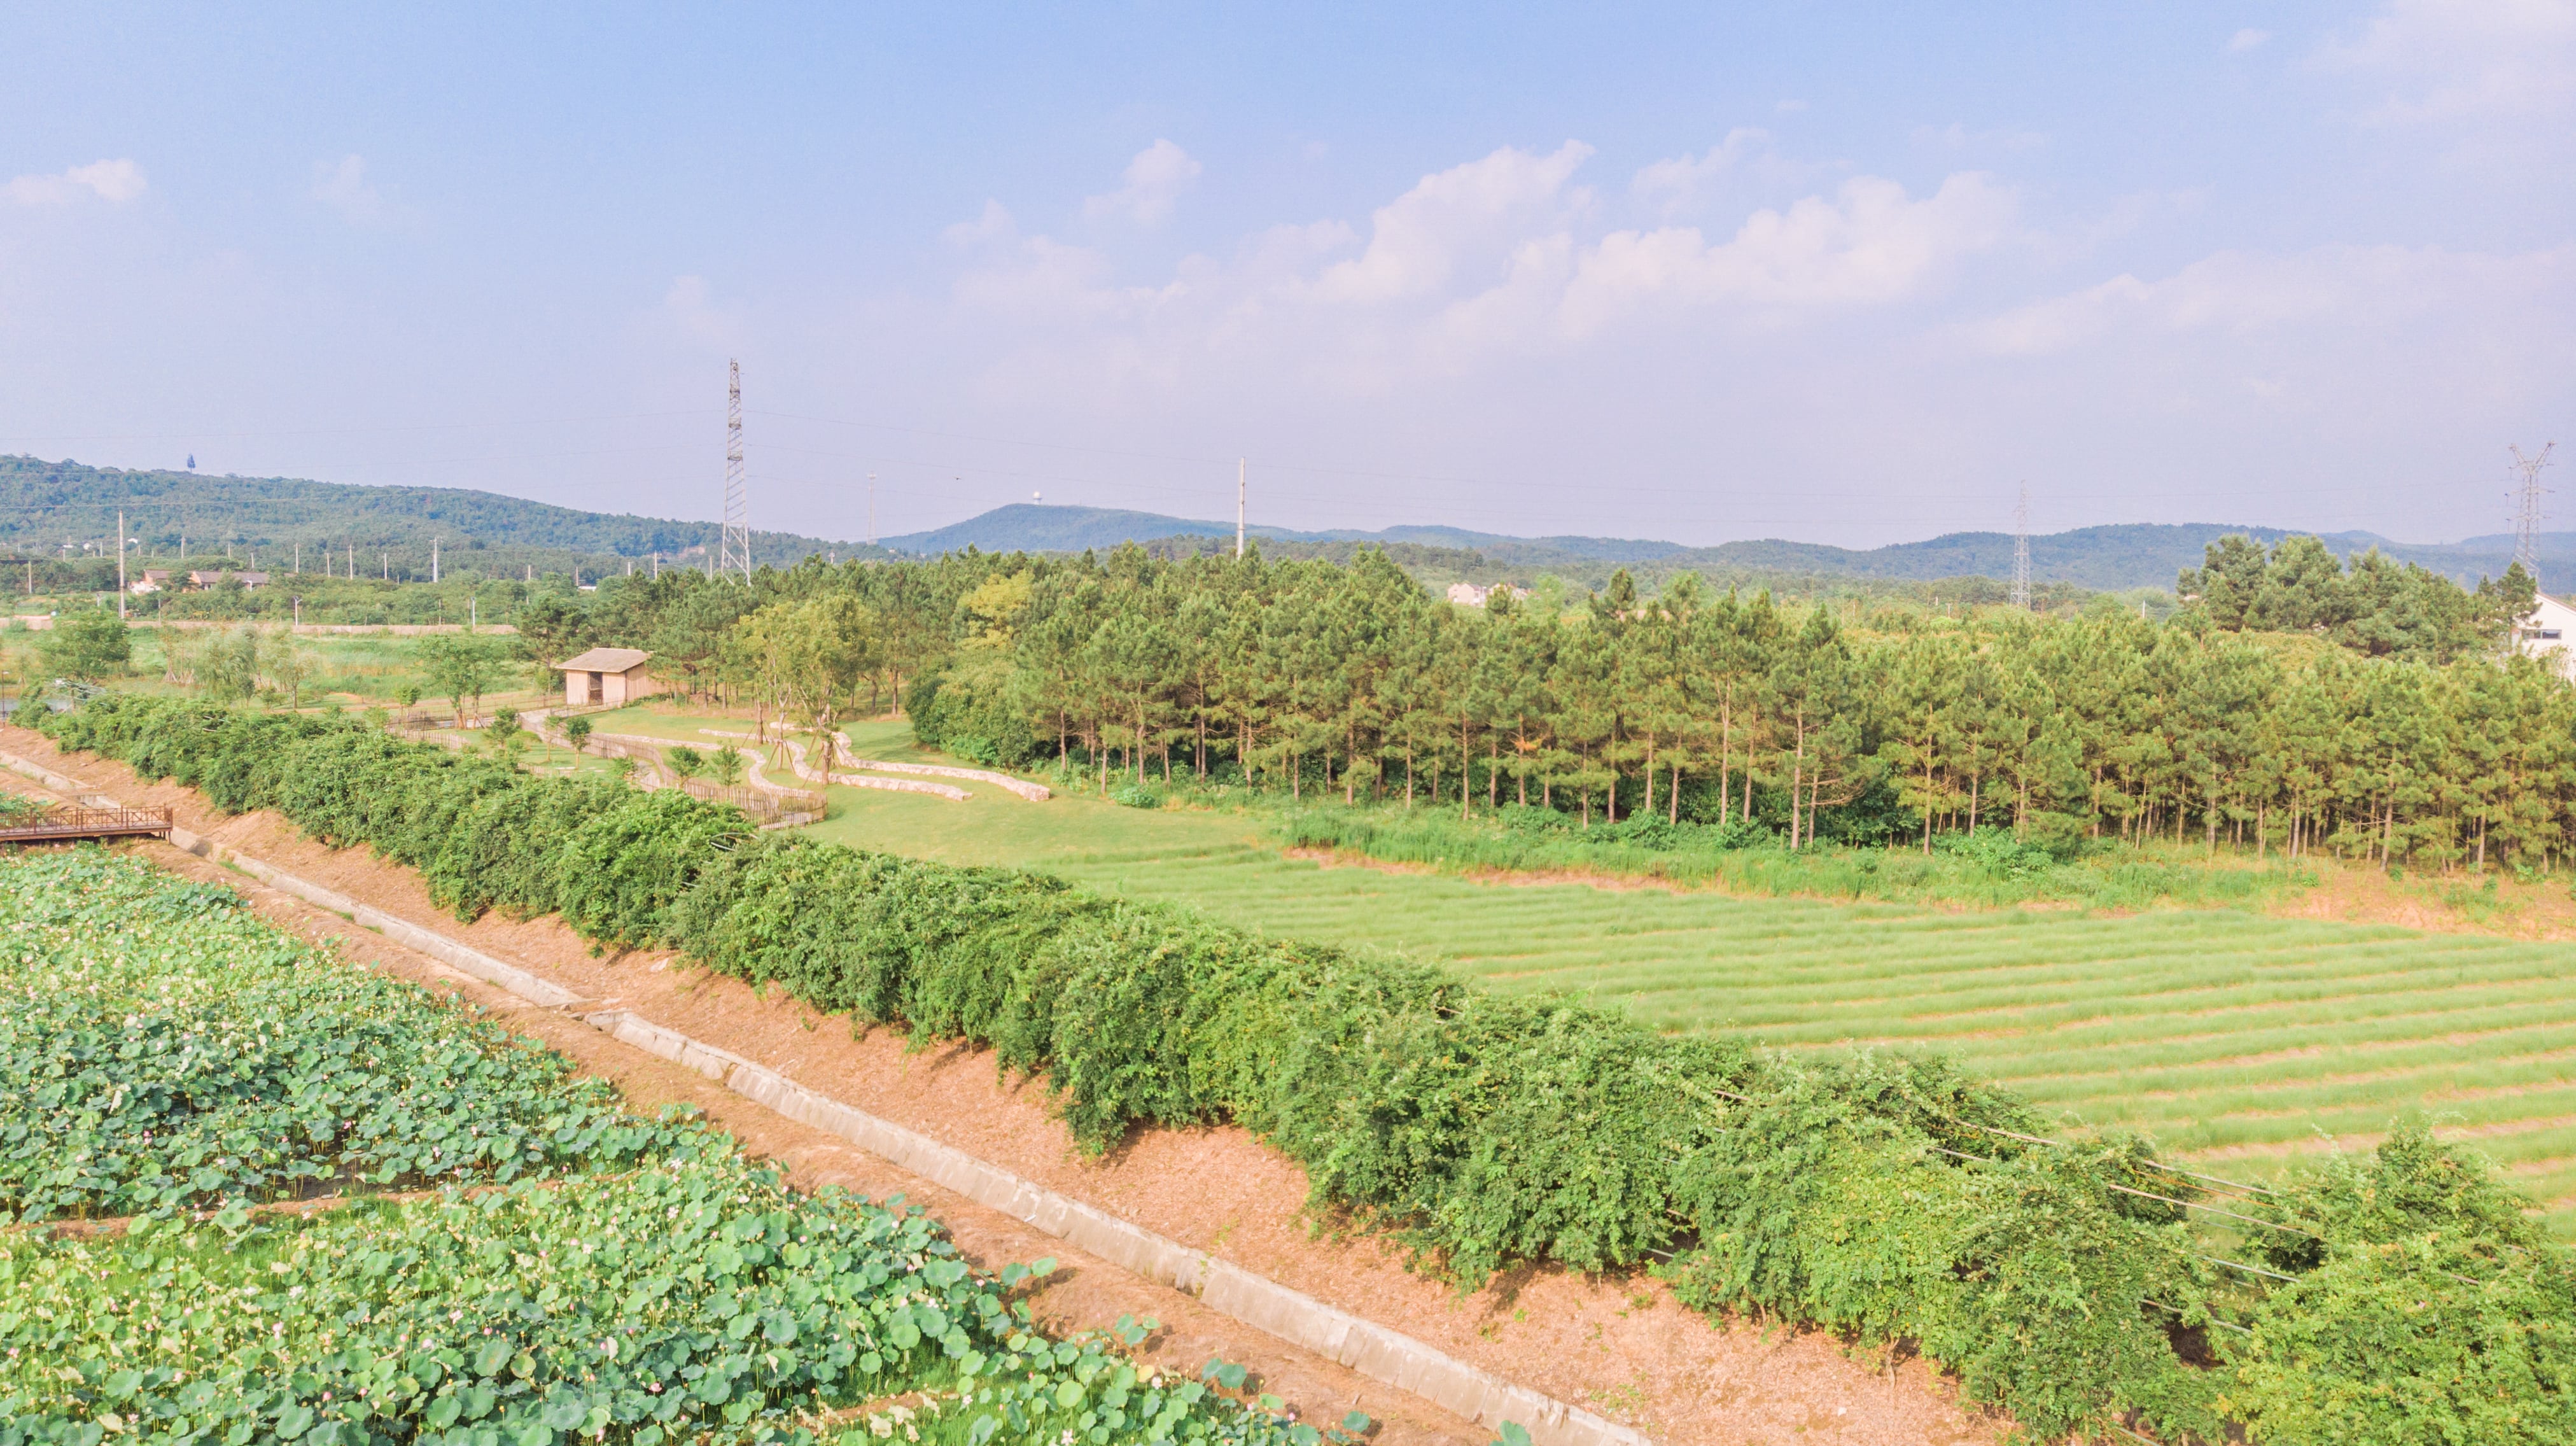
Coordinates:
[2385,720]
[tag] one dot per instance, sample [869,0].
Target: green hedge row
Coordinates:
[1882,1196]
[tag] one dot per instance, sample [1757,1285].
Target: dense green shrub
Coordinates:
[975,709]
[1887,1197]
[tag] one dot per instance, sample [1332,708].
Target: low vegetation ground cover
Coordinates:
[1872,1193]
[162,1049]
[637,1282]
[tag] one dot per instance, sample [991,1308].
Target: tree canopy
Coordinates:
[2296,703]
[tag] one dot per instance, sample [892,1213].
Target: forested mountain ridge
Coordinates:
[2108,558]
[46,505]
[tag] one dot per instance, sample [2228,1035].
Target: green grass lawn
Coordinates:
[2228,1034]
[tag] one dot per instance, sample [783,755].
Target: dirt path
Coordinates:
[1622,1347]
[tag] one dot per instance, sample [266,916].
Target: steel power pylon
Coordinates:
[2526,512]
[2021,550]
[734,551]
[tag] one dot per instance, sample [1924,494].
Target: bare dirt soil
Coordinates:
[1621,1346]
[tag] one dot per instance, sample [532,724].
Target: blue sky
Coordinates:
[1836,272]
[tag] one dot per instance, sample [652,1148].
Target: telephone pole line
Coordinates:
[2021,550]
[2526,517]
[734,550]
[872,509]
[1238,506]
[120,562]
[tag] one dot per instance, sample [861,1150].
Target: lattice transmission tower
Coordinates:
[2021,550]
[2526,510]
[734,552]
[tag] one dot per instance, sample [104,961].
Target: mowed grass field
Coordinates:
[2229,1035]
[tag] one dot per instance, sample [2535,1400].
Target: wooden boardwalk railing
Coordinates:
[61,825]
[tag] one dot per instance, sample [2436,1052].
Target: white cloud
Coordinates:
[1042,279]
[1870,244]
[2241,294]
[995,224]
[1155,180]
[690,308]
[2452,60]
[342,186]
[1676,183]
[1419,241]
[2247,39]
[1500,256]
[115,181]
[1957,137]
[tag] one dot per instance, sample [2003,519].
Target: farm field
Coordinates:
[605,1280]
[2230,1035]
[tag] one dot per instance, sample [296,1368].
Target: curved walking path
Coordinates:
[810,773]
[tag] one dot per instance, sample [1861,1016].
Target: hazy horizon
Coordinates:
[1847,274]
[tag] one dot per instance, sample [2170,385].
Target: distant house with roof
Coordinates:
[2549,632]
[1468,595]
[154,579]
[608,676]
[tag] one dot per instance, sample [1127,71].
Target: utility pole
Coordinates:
[2526,518]
[2021,550]
[1238,506]
[736,546]
[872,509]
[120,562]
[433,559]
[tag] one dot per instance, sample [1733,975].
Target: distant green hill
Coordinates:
[65,509]
[2115,558]
[56,510]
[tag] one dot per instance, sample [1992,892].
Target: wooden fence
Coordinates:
[67,824]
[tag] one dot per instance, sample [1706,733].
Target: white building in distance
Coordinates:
[2549,632]
[1468,595]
